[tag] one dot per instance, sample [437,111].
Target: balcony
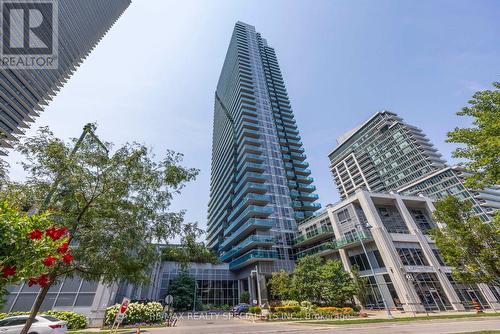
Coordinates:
[253,256]
[251,141]
[251,167]
[251,188]
[250,242]
[313,235]
[244,132]
[304,179]
[320,250]
[302,171]
[250,177]
[249,199]
[251,212]
[336,244]
[306,187]
[245,229]
[352,239]
[249,157]
[298,156]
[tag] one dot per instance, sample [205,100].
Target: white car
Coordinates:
[43,324]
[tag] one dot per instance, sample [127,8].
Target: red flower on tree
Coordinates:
[49,260]
[32,281]
[8,271]
[43,280]
[36,234]
[67,258]
[55,233]
[63,248]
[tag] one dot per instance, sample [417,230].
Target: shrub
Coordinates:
[74,320]
[151,312]
[255,310]
[306,306]
[286,309]
[328,310]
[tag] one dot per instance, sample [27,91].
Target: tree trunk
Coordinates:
[36,307]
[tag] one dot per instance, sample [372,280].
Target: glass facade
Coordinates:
[69,293]
[260,185]
[216,285]
[24,93]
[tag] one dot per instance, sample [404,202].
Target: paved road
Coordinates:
[236,326]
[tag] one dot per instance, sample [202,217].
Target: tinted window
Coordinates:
[49,318]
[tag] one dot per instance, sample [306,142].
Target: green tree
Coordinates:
[182,290]
[25,246]
[336,285]
[114,202]
[481,143]
[469,245]
[190,249]
[280,284]
[322,282]
[360,286]
[245,297]
[306,279]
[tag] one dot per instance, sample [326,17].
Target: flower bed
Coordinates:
[137,313]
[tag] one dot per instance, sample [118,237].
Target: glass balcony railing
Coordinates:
[253,256]
[249,226]
[250,166]
[252,240]
[336,244]
[250,187]
[313,233]
[326,246]
[248,200]
[306,187]
[298,156]
[251,141]
[251,212]
[250,176]
[304,179]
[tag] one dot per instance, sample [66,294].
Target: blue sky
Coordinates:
[152,78]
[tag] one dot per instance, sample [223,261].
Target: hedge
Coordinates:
[335,310]
[285,309]
[151,312]
[255,310]
[74,320]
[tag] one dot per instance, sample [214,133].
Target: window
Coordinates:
[412,257]
[423,222]
[360,261]
[343,216]
[392,220]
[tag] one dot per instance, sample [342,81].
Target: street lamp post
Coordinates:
[389,314]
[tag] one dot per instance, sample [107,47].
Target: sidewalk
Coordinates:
[381,314]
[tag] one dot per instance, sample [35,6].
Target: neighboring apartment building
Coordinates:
[386,237]
[25,92]
[260,185]
[386,154]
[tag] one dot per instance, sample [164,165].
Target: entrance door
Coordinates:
[438,300]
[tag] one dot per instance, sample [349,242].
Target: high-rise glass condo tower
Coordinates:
[260,185]
[25,92]
[387,154]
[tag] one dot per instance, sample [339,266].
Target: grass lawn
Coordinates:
[372,321]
